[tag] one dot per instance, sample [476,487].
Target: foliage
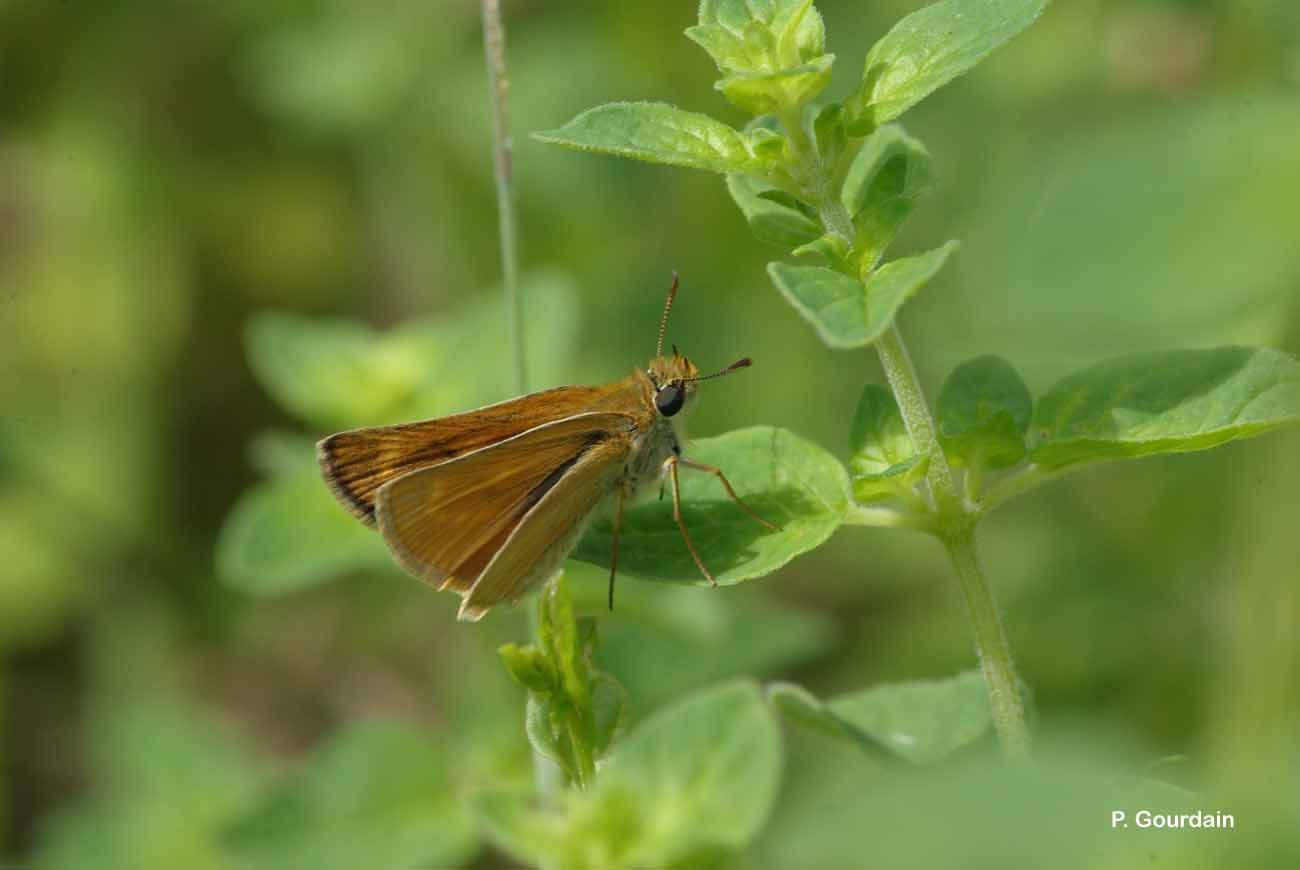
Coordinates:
[314,708]
[835,181]
[574,711]
[919,722]
[696,777]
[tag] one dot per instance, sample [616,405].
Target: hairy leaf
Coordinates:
[847,313]
[983,413]
[760,36]
[697,777]
[1165,402]
[771,53]
[785,479]
[885,462]
[760,93]
[658,133]
[887,177]
[290,532]
[339,374]
[919,721]
[770,220]
[930,48]
[377,794]
[705,770]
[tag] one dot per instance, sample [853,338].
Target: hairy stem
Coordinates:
[954,521]
[990,642]
[494,46]
[918,420]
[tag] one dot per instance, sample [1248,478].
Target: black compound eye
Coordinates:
[669,399]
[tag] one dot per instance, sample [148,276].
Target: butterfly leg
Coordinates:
[672,462]
[613,556]
[726,484]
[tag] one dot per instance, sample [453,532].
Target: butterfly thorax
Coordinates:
[657,436]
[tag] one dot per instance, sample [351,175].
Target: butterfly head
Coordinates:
[675,377]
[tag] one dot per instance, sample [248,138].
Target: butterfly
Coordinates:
[491,501]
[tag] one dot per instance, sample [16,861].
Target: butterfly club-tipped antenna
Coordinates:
[742,363]
[663,321]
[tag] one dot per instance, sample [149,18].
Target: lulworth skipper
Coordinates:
[491,501]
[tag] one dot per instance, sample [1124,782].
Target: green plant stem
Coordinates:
[586,762]
[919,422]
[990,642]
[954,522]
[494,47]
[886,517]
[835,217]
[548,777]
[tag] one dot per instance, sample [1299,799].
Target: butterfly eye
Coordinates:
[669,399]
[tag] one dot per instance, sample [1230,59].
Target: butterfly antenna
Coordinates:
[663,321]
[743,363]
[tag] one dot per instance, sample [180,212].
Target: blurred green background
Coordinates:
[1124,176]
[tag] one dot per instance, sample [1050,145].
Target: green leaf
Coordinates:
[834,303]
[785,479]
[695,779]
[771,53]
[529,667]
[761,93]
[894,283]
[930,48]
[827,130]
[288,533]
[339,374]
[802,706]
[890,164]
[920,722]
[759,37]
[1165,402]
[658,133]
[517,827]
[886,178]
[885,462]
[344,72]
[847,313]
[770,220]
[830,248]
[703,772]
[333,372]
[1014,816]
[609,711]
[545,727]
[153,761]
[983,413]
[377,794]
[669,640]
[275,452]
[573,713]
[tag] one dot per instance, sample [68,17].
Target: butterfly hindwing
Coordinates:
[546,534]
[447,522]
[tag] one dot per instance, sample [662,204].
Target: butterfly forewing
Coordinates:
[445,523]
[357,463]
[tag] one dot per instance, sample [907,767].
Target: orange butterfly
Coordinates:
[491,501]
